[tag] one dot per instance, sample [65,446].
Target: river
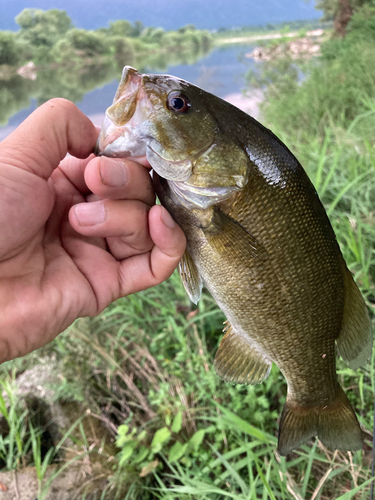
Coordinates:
[221,72]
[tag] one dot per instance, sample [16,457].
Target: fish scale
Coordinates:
[259,239]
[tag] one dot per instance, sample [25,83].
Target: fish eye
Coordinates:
[177,102]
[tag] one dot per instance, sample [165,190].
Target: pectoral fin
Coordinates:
[354,343]
[226,235]
[239,362]
[191,278]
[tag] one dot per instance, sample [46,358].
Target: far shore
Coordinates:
[265,36]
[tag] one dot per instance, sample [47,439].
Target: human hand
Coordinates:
[77,232]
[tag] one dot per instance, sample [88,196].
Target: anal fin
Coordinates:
[190,277]
[239,362]
[354,343]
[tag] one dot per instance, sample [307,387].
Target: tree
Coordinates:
[9,51]
[43,28]
[341,12]
[86,43]
[138,28]
[121,28]
[123,50]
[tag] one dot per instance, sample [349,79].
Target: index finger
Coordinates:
[43,139]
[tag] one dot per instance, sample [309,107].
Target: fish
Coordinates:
[259,239]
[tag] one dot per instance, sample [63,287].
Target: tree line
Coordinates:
[47,37]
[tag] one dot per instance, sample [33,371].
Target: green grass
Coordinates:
[146,362]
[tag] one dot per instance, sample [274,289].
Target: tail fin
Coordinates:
[336,425]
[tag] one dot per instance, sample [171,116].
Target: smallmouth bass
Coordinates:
[259,239]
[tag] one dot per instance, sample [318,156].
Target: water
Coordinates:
[221,72]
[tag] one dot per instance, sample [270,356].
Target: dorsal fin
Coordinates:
[238,361]
[191,278]
[354,343]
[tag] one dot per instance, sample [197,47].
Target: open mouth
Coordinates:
[119,136]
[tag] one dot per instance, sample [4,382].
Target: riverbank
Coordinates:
[266,36]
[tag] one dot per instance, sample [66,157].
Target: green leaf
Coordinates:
[177,422]
[142,455]
[196,439]
[177,451]
[350,494]
[160,437]
[123,436]
[127,452]
[123,430]
[3,408]
[245,427]
[265,482]
[141,435]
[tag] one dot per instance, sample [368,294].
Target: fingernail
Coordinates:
[167,219]
[112,173]
[89,214]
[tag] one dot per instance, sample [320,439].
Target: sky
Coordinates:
[168,14]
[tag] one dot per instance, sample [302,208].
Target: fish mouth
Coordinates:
[120,135]
[124,133]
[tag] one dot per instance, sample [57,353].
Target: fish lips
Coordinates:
[119,143]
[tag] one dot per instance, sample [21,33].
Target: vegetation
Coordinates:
[47,37]
[341,11]
[144,367]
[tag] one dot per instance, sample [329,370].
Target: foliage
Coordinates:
[341,11]
[362,24]
[332,7]
[49,36]
[43,28]
[9,49]
[81,44]
[123,50]
[121,28]
[54,18]
[330,92]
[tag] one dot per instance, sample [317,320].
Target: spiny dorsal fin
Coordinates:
[191,278]
[354,343]
[238,362]
[335,424]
